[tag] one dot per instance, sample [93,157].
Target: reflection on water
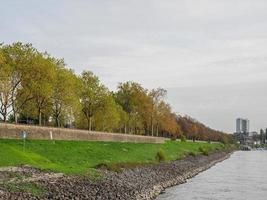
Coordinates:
[243,176]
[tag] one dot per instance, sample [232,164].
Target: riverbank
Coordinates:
[142,182]
[82,157]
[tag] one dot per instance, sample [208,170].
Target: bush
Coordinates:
[183,138]
[225,140]
[192,153]
[160,156]
[203,151]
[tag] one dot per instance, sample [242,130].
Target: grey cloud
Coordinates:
[185,43]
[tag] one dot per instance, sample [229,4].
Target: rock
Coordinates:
[144,182]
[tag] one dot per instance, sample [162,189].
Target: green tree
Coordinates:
[65,94]
[18,58]
[5,87]
[40,86]
[107,117]
[134,100]
[93,95]
[124,119]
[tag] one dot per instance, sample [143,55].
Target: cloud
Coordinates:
[186,43]
[219,106]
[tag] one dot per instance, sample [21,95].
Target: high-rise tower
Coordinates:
[242,126]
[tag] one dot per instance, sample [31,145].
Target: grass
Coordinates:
[81,157]
[27,187]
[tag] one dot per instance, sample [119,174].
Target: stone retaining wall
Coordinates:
[12,131]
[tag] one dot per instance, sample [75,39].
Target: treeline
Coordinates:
[40,89]
[195,130]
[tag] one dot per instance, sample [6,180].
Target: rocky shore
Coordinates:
[145,182]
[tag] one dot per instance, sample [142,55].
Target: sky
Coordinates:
[211,55]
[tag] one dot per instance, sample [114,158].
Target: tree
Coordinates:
[166,119]
[18,58]
[92,97]
[5,87]
[37,86]
[194,132]
[107,117]
[40,86]
[194,129]
[157,96]
[124,119]
[134,100]
[65,92]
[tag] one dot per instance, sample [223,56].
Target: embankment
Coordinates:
[145,182]
[12,131]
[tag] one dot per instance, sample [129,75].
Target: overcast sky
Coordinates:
[211,55]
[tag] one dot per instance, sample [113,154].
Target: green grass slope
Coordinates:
[79,157]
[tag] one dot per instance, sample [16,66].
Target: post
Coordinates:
[24,136]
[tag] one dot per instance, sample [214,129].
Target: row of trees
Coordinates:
[195,130]
[38,88]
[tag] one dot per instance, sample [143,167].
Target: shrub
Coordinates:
[192,153]
[203,151]
[225,140]
[160,156]
[183,138]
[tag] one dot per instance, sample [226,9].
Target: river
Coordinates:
[241,177]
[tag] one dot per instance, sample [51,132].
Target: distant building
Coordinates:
[253,133]
[242,126]
[242,131]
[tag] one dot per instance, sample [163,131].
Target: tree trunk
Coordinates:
[16,117]
[4,117]
[15,114]
[157,130]
[57,121]
[90,123]
[3,111]
[152,126]
[40,117]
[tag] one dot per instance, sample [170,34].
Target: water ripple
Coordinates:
[241,177]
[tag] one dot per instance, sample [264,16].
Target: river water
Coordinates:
[241,177]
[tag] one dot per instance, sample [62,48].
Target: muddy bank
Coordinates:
[145,182]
